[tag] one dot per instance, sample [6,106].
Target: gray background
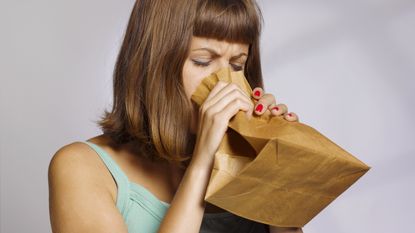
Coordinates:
[345,67]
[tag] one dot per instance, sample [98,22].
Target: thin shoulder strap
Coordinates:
[119,176]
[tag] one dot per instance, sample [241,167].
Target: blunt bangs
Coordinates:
[229,20]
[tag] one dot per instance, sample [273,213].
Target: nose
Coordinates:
[224,63]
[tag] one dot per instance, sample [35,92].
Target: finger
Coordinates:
[232,108]
[263,104]
[233,96]
[218,86]
[279,109]
[226,89]
[257,93]
[291,116]
[224,92]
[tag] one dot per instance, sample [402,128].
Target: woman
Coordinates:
[149,170]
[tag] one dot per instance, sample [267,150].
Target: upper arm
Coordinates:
[78,201]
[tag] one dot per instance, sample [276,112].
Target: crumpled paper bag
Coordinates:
[273,171]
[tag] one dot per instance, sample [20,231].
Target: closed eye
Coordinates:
[237,68]
[199,63]
[204,64]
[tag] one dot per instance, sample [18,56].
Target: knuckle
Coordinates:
[243,93]
[283,106]
[216,118]
[234,93]
[209,113]
[233,85]
[238,101]
[221,83]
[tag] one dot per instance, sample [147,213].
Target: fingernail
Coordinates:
[259,108]
[276,108]
[290,115]
[257,93]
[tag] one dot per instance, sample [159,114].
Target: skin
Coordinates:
[225,100]
[82,192]
[208,55]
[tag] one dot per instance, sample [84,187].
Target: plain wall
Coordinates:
[345,67]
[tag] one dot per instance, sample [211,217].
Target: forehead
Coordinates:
[218,45]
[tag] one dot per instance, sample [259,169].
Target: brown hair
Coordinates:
[150,107]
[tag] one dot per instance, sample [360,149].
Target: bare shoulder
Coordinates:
[74,156]
[74,161]
[79,199]
[70,157]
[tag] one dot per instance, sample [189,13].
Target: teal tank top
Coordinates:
[143,212]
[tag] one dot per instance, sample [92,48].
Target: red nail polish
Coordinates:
[259,108]
[276,108]
[257,93]
[290,115]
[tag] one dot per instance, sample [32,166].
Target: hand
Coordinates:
[222,103]
[267,101]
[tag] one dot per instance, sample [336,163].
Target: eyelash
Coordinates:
[204,64]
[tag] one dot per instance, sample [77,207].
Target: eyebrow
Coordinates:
[216,54]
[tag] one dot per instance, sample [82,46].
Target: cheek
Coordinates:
[192,76]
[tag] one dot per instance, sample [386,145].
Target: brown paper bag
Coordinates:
[273,171]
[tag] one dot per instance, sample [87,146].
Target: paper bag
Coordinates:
[273,171]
